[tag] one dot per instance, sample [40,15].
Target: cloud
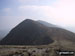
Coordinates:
[34,8]
[23,1]
[64,12]
[61,13]
[7,9]
[7,12]
[36,2]
[36,11]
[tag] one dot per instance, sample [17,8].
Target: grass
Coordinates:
[8,49]
[18,49]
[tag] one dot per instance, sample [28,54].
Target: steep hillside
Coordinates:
[28,32]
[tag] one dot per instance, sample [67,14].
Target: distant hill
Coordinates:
[30,32]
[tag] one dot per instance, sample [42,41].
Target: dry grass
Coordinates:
[12,49]
[7,49]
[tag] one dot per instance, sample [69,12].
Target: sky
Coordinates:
[58,12]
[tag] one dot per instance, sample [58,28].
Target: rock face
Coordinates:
[31,32]
[28,32]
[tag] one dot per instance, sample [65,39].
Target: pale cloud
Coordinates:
[36,2]
[60,13]
[43,11]
[23,1]
[7,9]
[35,8]
[64,12]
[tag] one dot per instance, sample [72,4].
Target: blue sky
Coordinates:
[58,12]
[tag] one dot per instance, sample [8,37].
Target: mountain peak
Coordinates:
[30,32]
[27,32]
[28,20]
